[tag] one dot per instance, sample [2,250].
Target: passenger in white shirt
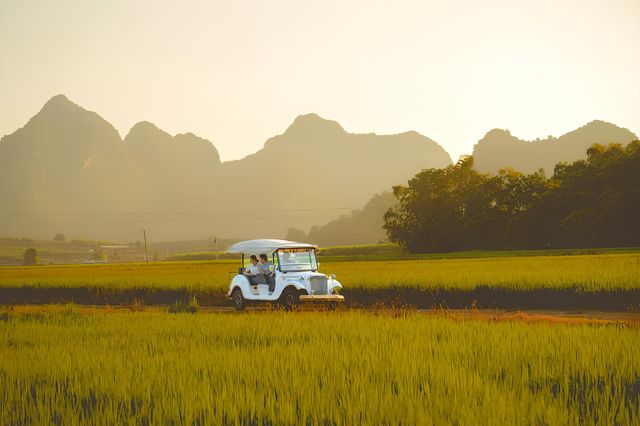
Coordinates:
[254,272]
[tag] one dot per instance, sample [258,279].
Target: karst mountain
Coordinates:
[68,170]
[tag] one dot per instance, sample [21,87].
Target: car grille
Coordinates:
[319,285]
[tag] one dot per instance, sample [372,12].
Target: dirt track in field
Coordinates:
[410,298]
[489,315]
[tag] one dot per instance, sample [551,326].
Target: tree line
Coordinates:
[589,203]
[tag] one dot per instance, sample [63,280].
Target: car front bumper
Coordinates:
[321,298]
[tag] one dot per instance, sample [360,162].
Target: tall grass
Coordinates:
[584,272]
[388,251]
[603,272]
[350,368]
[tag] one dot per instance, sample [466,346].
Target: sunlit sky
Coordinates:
[239,72]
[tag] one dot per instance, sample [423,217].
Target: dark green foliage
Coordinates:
[31,257]
[589,203]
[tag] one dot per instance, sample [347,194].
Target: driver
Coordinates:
[267,270]
[254,272]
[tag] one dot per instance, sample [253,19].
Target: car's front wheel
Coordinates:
[289,299]
[332,306]
[238,300]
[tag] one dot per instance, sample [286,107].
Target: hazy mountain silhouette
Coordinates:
[362,226]
[68,170]
[62,157]
[63,151]
[499,149]
[316,171]
[180,166]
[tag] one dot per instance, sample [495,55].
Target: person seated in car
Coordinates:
[267,270]
[254,272]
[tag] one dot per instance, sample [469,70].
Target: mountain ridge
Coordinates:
[176,186]
[500,149]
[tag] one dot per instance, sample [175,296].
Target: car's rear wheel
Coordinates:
[289,299]
[238,300]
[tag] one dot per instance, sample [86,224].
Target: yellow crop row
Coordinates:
[607,272]
[313,368]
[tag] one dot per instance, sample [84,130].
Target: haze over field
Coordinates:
[217,118]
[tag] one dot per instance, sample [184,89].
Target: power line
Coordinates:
[140,220]
[175,213]
[212,196]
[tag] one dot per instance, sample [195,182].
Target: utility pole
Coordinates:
[146,253]
[216,241]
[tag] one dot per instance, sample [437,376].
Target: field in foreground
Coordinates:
[597,281]
[356,368]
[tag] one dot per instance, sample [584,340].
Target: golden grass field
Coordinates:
[585,272]
[66,367]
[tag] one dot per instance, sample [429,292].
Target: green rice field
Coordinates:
[67,367]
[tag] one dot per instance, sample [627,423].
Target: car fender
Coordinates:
[294,287]
[294,282]
[241,282]
[331,284]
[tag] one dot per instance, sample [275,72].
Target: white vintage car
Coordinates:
[295,268]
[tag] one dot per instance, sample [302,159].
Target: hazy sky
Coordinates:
[239,72]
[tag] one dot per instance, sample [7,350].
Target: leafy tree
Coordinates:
[31,257]
[592,202]
[442,209]
[59,237]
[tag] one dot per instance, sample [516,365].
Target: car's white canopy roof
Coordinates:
[265,246]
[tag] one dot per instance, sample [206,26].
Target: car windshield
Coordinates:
[297,260]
